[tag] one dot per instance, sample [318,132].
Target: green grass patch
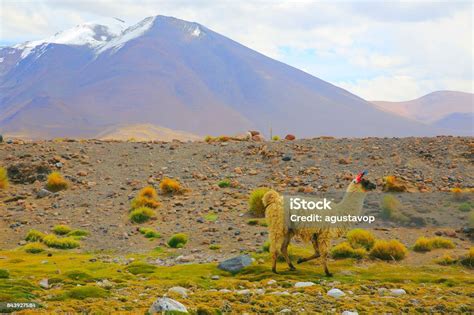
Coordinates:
[78,233]
[178,240]
[149,233]
[34,248]
[61,229]
[211,217]
[4,274]
[60,243]
[34,236]
[224,183]
[141,215]
[81,293]
[139,268]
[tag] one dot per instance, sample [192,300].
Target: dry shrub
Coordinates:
[345,250]
[56,182]
[468,260]
[3,178]
[178,240]
[61,243]
[256,206]
[361,238]
[147,197]
[170,186]
[388,250]
[142,214]
[424,244]
[34,236]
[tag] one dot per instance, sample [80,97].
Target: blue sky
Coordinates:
[379,50]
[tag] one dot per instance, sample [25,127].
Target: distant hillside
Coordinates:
[174,74]
[449,110]
[146,132]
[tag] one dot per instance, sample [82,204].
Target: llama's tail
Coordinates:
[274,216]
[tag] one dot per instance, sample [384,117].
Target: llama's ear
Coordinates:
[360,175]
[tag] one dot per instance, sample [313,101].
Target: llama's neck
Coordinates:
[351,203]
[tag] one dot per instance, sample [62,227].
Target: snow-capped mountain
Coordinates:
[174,74]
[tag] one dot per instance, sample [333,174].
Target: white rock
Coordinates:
[271,282]
[183,292]
[161,305]
[304,284]
[243,292]
[106,284]
[225,291]
[44,283]
[397,292]
[285,310]
[350,313]
[215,277]
[335,293]
[280,293]
[260,291]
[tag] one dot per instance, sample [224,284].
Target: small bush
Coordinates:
[468,260]
[61,229]
[178,240]
[4,274]
[3,178]
[61,243]
[78,233]
[170,186]
[422,244]
[214,247]
[441,242]
[56,182]
[446,260]
[465,207]
[211,217]
[344,250]
[266,246]
[276,138]
[256,206]
[393,184]
[34,248]
[361,238]
[224,183]
[147,197]
[34,236]
[138,268]
[388,250]
[149,233]
[208,139]
[84,292]
[142,214]
[79,276]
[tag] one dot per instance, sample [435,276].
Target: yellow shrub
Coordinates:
[56,182]
[388,250]
[468,260]
[422,244]
[34,248]
[147,197]
[344,250]
[256,206]
[34,236]
[142,214]
[446,260]
[61,243]
[441,242]
[170,186]
[62,229]
[3,178]
[361,238]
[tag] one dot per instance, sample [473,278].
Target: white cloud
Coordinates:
[413,47]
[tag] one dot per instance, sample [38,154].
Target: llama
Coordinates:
[280,235]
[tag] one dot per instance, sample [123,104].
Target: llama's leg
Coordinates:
[324,243]
[314,241]
[274,261]
[284,250]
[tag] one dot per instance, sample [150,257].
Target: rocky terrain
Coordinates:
[105,175]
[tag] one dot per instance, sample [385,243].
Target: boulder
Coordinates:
[290,137]
[44,283]
[335,293]
[43,193]
[235,264]
[303,284]
[165,305]
[397,292]
[258,138]
[183,292]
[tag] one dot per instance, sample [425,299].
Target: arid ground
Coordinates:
[104,176]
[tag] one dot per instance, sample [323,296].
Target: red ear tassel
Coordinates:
[359,176]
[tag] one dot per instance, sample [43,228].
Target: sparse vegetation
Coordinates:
[34,236]
[468,260]
[256,207]
[138,268]
[224,183]
[214,247]
[424,244]
[60,243]
[465,207]
[170,186]
[388,250]
[146,197]
[88,291]
[211,217]
[149,233]
[34,248]
[142,214]
[345,250]
[61,229]
[361,238]
[78,233]
[178,240]
[446,260]
[3,178]
[56,182]
[4,274]
[276,138]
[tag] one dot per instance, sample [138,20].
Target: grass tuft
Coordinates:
[170,186]
[61,229]
[34,248]
[147,197]
[345,250]
[3,178]
[178,240]
[224,183]
[138,268]
[61,243]
[424,244]
[56,182]
[34,236]
[361,238]
[141,215]
[388,250]
[149,233]
[81,293]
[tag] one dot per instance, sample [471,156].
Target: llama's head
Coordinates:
[270,197]
[361,184]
